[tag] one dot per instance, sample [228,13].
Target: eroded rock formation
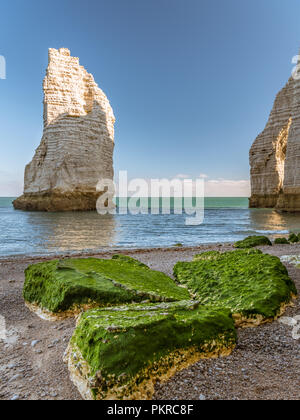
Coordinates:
[275,154]
[76,149]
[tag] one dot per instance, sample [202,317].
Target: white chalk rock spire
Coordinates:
[275,154]
[76,149]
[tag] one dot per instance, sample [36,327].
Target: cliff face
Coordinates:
[275,154]
[76,149]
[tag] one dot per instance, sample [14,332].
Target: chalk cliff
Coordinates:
[275,154]
[76,149]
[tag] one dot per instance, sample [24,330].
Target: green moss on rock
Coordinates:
[281,241]
[126,258]
[253,241]
[293,238]
[119,353]
[215,255]
[59,286]
[207,256]
[247,282]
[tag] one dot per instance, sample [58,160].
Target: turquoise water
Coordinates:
[209,202]
[226,220]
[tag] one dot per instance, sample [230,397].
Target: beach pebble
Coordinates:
[12,366]
[15,377]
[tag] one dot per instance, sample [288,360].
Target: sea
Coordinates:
[225,220]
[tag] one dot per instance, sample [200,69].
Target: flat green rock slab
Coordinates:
[117,352]
[58,286]
[248,283]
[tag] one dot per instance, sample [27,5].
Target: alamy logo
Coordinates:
[2,67]
[134,197]
[292,322]
[3,333]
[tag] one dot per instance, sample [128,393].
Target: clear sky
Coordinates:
[191,81]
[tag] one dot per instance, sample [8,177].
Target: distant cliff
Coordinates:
[275,154]
[77,146]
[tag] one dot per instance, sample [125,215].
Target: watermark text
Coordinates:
[154,196]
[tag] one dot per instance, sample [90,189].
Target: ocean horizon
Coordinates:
[226,219]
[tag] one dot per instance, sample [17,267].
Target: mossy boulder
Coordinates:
[293,238]
[130,260]
[254,286]
[119,353]
[281,241]
[207,256]
[64,288]
[253,241]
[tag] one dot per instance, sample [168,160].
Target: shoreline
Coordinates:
[110,251]
[264,365]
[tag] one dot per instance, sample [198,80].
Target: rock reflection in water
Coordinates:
[80,231]
[271,221]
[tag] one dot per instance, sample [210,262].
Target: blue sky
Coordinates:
[191,81]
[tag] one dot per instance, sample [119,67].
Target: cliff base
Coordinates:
[283,202]
[55,202]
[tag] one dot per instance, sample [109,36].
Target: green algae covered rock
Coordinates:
[281,241]
[207,256]
[254,286]
[214,255]
[130,260]
[293,238]
[253,241]
[119,353]
[63,288]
